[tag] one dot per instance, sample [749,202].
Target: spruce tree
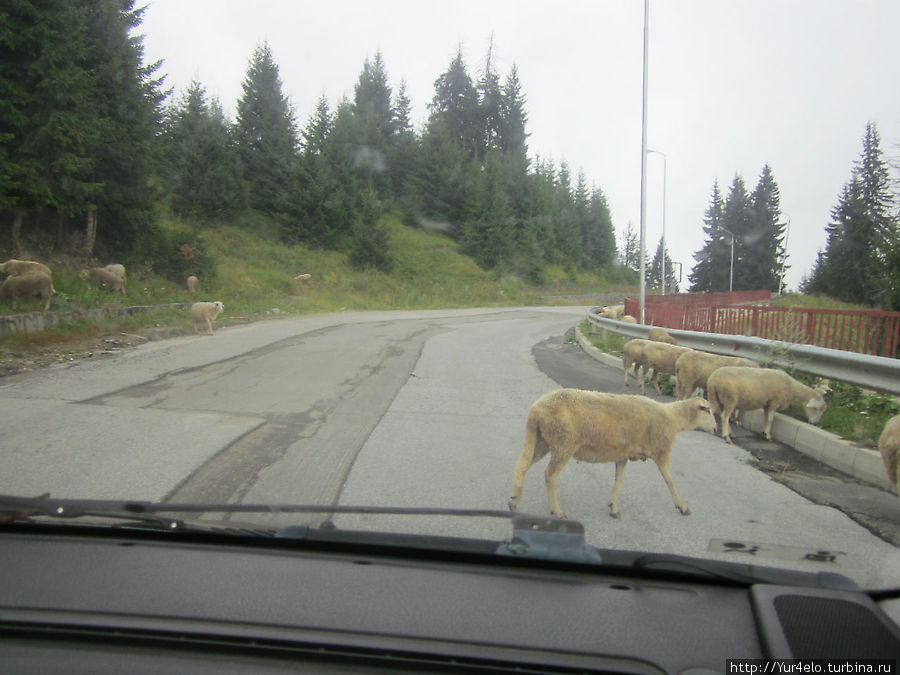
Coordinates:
[266,134]
[857,263]
[202,171]
[762,266]
[710,272]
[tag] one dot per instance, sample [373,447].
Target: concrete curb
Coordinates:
[833,451]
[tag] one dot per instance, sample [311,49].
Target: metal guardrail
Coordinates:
[872,372]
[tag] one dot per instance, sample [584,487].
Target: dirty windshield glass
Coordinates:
[408,255]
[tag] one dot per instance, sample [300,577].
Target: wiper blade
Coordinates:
[16,508]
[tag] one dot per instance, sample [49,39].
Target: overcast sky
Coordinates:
[733,84]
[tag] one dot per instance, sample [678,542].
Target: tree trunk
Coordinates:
[17,232]
[61,220]
[90,235]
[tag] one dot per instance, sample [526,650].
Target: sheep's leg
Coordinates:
[620,473]
[725,417]
[558,461]
[626,366]
[209,330]
[534,450]
[663,465]
[770,417]
[656,381]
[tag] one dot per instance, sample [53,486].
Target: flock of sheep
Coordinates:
[31,279]
[598,427]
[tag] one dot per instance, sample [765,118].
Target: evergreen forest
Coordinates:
[96,153]
[94,148]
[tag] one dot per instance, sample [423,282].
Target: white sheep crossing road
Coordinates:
[394,409]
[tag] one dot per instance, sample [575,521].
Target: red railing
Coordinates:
[863,331]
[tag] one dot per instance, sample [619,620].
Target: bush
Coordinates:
[176,253]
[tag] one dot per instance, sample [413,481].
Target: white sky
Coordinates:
[733,84]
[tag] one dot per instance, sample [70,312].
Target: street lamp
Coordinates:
[663,220]
[731,274]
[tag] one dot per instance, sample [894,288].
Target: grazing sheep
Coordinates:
[889,446]
[661,335]
[633,354]
[104,278]
[613,311]
[733,388]
[303,277]
[692,370]
[34,285]
[660,358]
[117,269]
[206,311]
[17,268]
[629,319]
[193,283]
[597,427]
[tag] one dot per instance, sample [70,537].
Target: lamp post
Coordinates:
[644,162]
[731,273]
[663,219]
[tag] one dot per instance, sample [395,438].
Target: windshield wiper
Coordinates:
[534,537]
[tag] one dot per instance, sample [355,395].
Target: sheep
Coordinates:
[16,268]
[889,447]
[661,335]
[743,388]
[633,354]
[117,269]
[612,311]
[206,311]
[303,277]
[660,357]
[598,427]
[26,286]
[104,278]
[629,319]
[193,283]
[692,370]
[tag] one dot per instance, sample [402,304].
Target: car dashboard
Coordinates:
[84,599]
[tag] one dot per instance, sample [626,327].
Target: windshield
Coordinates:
[346,255]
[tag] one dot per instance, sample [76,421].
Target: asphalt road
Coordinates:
[394,409]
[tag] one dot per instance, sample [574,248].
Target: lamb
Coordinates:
[117,269]
[661,335]
[633,354]
[660,357]
[206,311]
[742,388]
[27,286]
[692,370]
[104,278]
[193,283]
[16,268]
[889,446]
[598,427]
[629,319]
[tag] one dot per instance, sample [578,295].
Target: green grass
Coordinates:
[254,274]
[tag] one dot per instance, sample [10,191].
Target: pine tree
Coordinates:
[490,105]
[655,270]
[630,248]
[763,265]
[857,263]
[454,108]
[266,134]
[710,273]
[202,171]
[317,128]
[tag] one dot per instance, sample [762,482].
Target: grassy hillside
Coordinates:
[254,277]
